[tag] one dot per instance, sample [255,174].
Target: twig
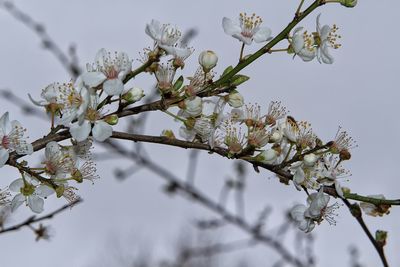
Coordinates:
[34,219]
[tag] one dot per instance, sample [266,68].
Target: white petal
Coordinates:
[101,131]
[338,188]
[3,156]
[324,32]
[17,201]
[35,203]
[52,150]
[80,132]
[230,27]
[154,30]
[44,191]
[101,56]
[93,78]
[113,87]
[40,103]
[263,34]
[324,53]
[297,212]
[16,185]
[5,124]
[188,135]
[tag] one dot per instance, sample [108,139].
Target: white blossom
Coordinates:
[12,138]
[247,29]
[109,70]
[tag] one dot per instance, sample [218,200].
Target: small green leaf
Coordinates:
[228,69]
[178,83]
[239,79]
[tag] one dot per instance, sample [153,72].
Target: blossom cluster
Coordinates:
[211,113]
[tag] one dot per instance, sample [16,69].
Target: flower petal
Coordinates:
[113,87]
[5,124]
[16,185]
[101,131]
[3,156]
[80,132]
[93,78]
[44,191]
[35,203]
[17,201]
[230,27]
[263,34]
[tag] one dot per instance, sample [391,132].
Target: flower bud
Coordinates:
[348,3]
[310,159]
[111,119]
[208,60]
[193,106]
[344,154]
[267,156]
[276,137]
[133,95]
[235,99]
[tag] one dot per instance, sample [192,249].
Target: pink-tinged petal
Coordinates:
[16,185]
[5,124]
[17,201]
[93,78]
[262,35]
[44,191]
[3,156]
[101,131]
[113,87]
[80,132]
[230,27]
[35,203]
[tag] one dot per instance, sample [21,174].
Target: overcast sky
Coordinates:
[359,92]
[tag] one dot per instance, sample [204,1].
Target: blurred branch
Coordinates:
[175,185]
[68,62]
[34,219]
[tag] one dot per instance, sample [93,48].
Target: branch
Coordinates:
[356,212]
[35,219]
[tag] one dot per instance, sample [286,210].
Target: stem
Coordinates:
[174,116]
[241,52]
[299,8]
[277,50]
[375,201]
[360,220]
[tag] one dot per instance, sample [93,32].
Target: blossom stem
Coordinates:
[277,50]
[299,8]
[241,52]
[174,116]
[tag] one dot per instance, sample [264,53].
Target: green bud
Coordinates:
[111,119]
[380,237]
[178,83]
[348,3]
[168,133]
[133,95]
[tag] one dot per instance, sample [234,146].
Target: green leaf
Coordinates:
[178,83]
[228,69]
[239,79]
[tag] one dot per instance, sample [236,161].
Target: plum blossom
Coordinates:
[12,139]
[316,211]
[58,162]
[317,44]
[91,122]
[166,37]
[247,29]
[109,70]
[30,192]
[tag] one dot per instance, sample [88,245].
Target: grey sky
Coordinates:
[359,92]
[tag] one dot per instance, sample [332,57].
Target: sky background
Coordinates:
[359,92]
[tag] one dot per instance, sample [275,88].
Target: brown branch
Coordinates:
[34,219]
[357,214]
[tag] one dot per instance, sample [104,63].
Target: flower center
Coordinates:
[111,72]
[249,24]
[92,115]
[5,142]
